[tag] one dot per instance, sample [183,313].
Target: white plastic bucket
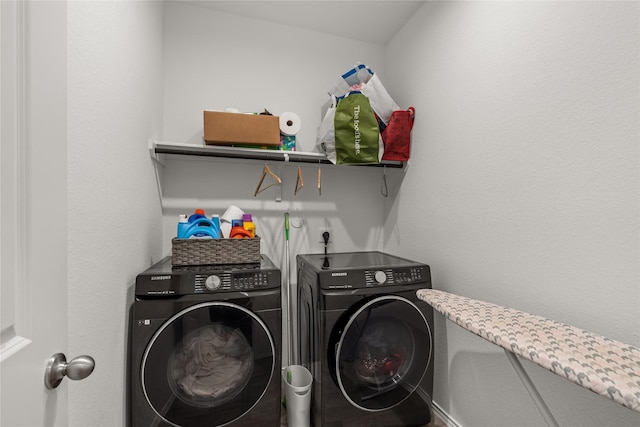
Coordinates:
[297,385]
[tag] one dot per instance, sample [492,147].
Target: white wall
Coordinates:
[522,189]
[114,80]
[130,64]
[523,186]
[215,60]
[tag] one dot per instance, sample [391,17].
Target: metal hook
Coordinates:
[299,181]
[384,190]
[319,179]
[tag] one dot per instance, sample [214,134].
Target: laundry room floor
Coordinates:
[435,422]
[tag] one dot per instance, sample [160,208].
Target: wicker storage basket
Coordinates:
[215,251]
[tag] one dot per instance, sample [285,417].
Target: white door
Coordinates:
[33,211]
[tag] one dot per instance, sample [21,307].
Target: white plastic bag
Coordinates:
[379,98]
[362,78]
[325,140]
[357,75]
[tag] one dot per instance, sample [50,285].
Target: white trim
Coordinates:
[446,418]
[13,182]
[13,346]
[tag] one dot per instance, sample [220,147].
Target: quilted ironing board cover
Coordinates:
[607,367]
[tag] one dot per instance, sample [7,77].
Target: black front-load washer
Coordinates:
[366,338]
[205,346]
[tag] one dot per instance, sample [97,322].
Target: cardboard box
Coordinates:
[222,128]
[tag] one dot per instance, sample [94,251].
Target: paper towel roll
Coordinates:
[232,212]
[289,124]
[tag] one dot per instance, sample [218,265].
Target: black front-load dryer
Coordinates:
[205,346]
[366,338]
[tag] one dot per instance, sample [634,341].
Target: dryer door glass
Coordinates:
[382,353]
[208,365]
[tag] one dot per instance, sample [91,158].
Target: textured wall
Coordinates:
[523,185]
[214,60]
[137,72]
[522,189]
[114,81]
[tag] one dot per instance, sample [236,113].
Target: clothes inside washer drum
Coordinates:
[212,362]
[383,350]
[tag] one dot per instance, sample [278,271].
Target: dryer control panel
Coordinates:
[357,270]
[364,278]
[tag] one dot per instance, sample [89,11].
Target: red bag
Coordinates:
[397,135]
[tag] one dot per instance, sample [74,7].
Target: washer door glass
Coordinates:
[382,352]
[208,365]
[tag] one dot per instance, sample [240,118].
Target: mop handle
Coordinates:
[286,226]
[288,290]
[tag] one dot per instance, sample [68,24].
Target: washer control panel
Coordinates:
[395,276]
[237,281]
[164,280]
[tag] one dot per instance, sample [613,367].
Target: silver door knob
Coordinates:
[57,368]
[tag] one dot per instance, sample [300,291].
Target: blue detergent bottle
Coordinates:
[215,219]
[203,228]
[198,213]
[183,226]
[198,226]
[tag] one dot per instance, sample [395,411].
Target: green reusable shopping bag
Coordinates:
[357,135]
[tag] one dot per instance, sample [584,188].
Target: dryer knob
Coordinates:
[213,282]
[380,277]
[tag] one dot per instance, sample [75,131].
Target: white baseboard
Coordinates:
[440,413]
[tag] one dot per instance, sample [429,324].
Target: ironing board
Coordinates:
[607,367]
